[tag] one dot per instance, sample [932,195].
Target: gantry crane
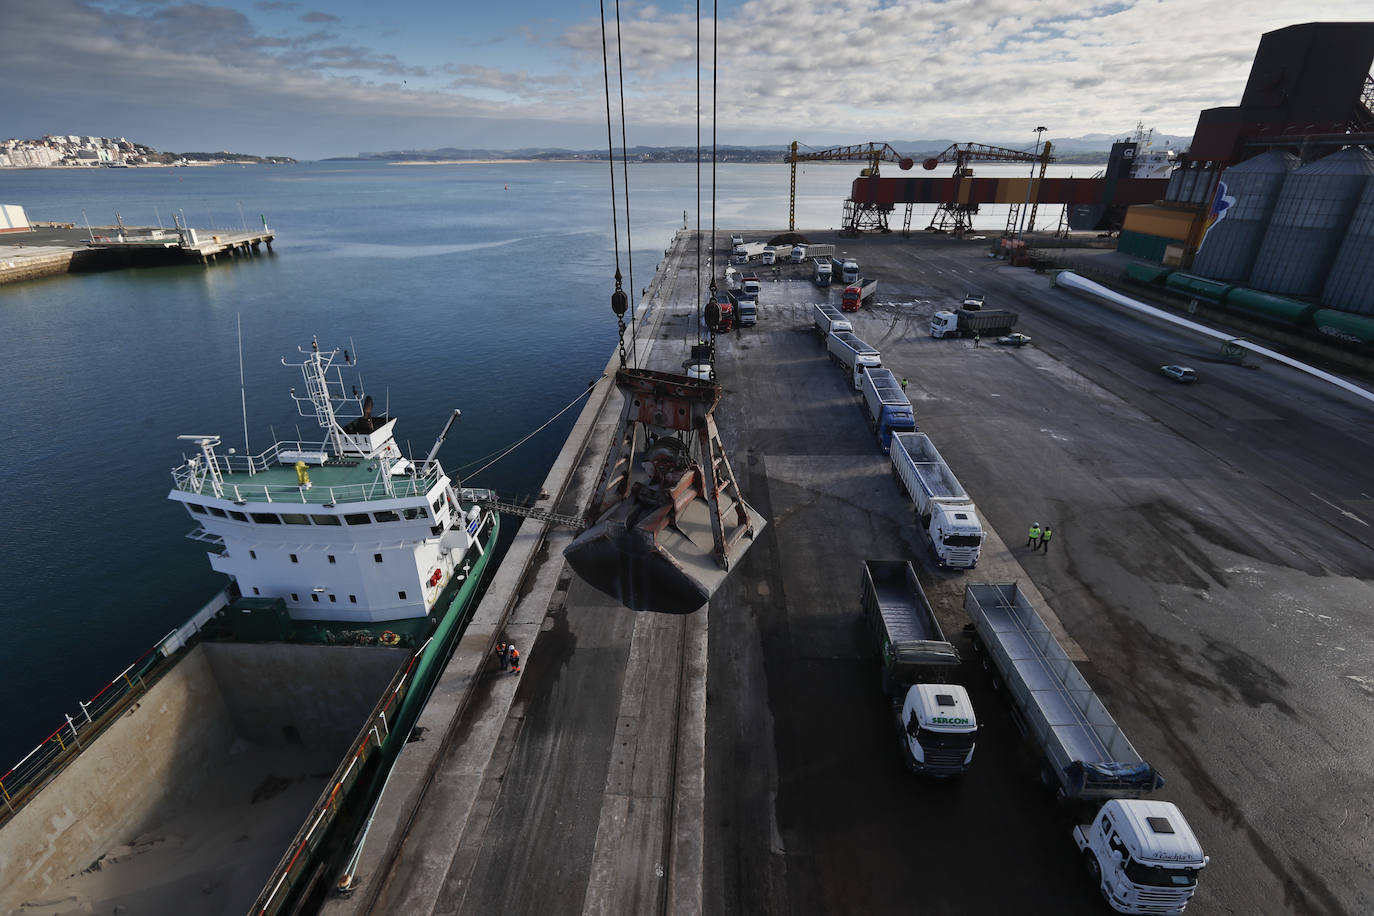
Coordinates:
[957,217]
[873,152]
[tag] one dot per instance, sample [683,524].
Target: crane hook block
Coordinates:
[620,303]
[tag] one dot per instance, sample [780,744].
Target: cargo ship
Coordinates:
[235,764]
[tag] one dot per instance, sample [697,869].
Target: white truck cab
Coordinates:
[1143,855]
[940,729]
[955,534]
[736,240]
[944,324]
[770,254]
[798,254]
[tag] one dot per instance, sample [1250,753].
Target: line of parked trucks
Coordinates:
[1140,852]
[944,511]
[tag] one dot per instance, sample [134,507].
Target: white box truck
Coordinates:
[822,274]
[1142,853]
[943,510]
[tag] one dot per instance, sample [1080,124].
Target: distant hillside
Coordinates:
[1089,148]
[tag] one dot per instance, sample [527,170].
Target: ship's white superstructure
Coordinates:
[344,529]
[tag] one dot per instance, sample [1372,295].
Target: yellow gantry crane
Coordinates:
[873,152]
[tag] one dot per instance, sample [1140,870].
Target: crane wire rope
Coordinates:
[619,301]
[625,182]
[698,164]
[715,27]
[506,450]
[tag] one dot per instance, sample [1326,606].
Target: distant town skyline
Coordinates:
[316,80]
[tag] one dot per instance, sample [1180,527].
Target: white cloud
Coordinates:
[981,70]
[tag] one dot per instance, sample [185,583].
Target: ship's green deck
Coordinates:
[337,481]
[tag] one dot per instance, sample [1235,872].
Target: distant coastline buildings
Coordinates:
[72,151]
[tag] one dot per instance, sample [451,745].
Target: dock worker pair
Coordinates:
[508,655]
[1039,537]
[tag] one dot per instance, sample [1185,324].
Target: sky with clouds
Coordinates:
[319,78]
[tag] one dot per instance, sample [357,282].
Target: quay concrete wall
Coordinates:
[18,264]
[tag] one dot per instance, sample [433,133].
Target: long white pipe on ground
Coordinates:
[1070,280]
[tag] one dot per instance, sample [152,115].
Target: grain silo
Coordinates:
[1350,285]
[1228,250]
[1309,223]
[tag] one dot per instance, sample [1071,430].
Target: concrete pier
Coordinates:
[743,759]
[51,249]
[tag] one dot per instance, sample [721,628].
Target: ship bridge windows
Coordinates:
[414,513]
[197,508]
[217,512]
[326,519]
[237,516]
[295,518]
[386,516]
[358,518]
[266,518]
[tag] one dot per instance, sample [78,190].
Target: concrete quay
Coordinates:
[50,250]
[742,759]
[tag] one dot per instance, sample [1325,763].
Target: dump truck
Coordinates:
[943,510]
[822,275]
[936,725]
[858,294]
[845,269]
[887,405]
[852,355]
[1141,852]
[827,319]
[749,283]
[965,322]
[819,251]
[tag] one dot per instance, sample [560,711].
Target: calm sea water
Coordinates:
[483,287]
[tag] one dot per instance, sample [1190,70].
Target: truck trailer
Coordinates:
[887,405]
[819,251]
[858,294]
[844,269]
[822,275]
[1142,853]
[936,725]
[968,322]
[944,511]
[826,319]
[853,355]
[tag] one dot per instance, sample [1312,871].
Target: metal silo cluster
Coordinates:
[1229,249]
[1350,285]
[1309,223]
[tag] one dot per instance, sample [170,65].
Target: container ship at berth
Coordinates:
[240,759]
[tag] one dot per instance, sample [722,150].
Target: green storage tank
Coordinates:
[1141,245]
[1197,287]
[1279,309]
[1344,325]
[1147,274]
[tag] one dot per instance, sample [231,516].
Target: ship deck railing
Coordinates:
[271,477]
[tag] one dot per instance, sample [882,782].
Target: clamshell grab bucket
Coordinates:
[667,520]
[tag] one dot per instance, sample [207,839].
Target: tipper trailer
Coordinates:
[945,512]
[1142,853]
[968,322]
[887,405]
[827,319]
[853,355]
[936,725]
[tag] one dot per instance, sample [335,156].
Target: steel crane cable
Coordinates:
[715,31]
[625,182]
[619,300]
[507,449]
